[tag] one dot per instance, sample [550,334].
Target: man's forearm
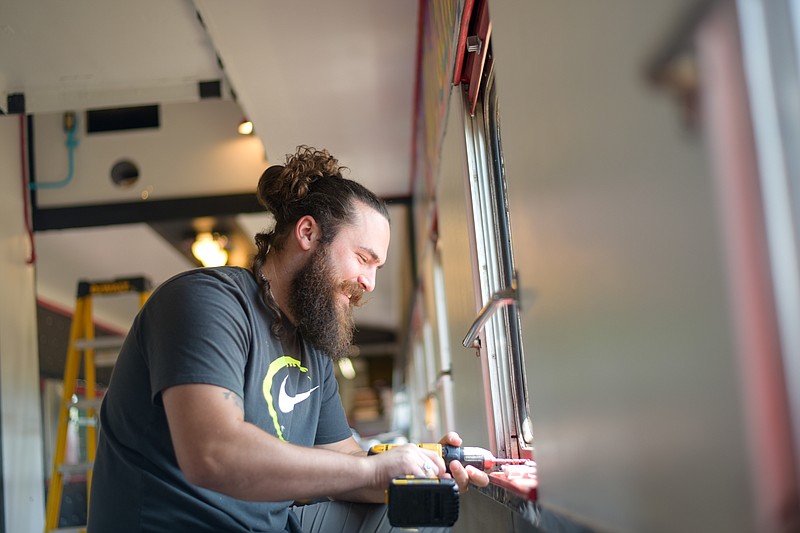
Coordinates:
[362,495]
[274,470]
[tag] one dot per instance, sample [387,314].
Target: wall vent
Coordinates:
[123,118]
[210,89]
[15,104]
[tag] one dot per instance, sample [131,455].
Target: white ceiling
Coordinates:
[339,75]
[334,74]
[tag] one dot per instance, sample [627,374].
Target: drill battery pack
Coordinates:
[420,501]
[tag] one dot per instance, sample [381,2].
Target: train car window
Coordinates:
[496,332]
[429,370]
[506,256]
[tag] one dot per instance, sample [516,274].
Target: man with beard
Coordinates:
[223,409]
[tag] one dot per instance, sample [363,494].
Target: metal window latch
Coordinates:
[499,299]
[474,44]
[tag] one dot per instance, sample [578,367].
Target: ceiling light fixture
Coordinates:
[245,127]
[209,249]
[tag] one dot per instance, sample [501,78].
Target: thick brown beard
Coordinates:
[322,319]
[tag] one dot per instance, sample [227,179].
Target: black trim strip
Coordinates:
[86,216]
[143,211]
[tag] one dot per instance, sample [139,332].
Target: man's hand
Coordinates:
[399,461]
[463,476]
[408,459]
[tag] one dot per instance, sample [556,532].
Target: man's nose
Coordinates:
[367,280]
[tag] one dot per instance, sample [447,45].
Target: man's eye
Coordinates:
[362,259]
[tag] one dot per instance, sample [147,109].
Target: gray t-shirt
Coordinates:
[204,326]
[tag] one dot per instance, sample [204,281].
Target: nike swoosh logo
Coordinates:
[286,403]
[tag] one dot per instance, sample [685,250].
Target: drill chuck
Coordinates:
[467,455]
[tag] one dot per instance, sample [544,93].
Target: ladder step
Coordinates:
[85,421]
[100,343]
[79,468]
[87,404]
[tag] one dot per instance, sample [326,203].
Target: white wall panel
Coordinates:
[632,369]
[20,421]
[196,151]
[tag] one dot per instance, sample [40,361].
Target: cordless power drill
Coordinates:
[480,458]
[420,501]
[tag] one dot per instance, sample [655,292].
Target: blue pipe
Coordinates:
[71,143]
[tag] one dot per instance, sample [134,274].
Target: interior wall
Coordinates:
[194,139]
[630,348]
[23,478]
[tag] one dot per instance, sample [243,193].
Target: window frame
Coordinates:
[499,342]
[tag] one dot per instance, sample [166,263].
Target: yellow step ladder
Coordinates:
[82,346]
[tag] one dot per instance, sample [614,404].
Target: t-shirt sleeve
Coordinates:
[194,331]
[332,426]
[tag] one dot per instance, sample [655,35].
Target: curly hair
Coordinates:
[310,182]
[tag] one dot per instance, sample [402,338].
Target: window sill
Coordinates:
[515,487]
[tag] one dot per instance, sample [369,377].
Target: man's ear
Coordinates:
[307,232]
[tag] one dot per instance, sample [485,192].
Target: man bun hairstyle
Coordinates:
[282,187]
[310,182]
